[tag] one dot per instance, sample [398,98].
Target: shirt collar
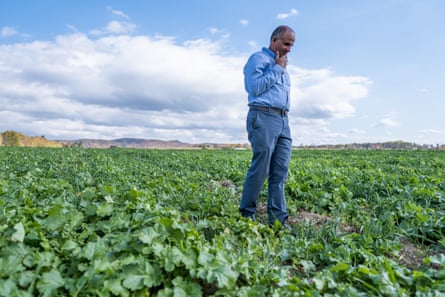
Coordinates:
[269,52]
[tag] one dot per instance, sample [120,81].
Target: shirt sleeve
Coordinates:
[260,75]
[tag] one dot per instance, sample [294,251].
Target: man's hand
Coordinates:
[281,60]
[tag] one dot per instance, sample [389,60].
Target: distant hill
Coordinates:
[13,138]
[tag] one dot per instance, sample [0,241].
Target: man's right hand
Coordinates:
[281,60]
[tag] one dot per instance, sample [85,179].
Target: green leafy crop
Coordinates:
[128,222]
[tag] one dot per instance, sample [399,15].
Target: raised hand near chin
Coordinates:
[281,60]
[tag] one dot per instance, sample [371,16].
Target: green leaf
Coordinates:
[222,274]
[169,258]
[45,259]
[204,257]
[104,209]
[308,266]
[189,258]
[437,259]
[10,265]
[115,287]
[104,265]
[340,267]
[93,249]
[56,217]
[185,288]
[26,278]
[134,282]
[50,281]
[7,286]
[148,235]
[19,233]
[70,245]
[153,277]
[166,292]
[320,283]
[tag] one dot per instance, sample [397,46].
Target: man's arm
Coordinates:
[260,75]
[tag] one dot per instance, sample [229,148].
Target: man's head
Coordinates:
[282,40]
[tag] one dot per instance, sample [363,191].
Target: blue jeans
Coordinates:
[271,142]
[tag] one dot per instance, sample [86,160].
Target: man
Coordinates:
[267,84]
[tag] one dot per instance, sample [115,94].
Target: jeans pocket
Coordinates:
[253,121]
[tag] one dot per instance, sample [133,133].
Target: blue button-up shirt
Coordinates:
[266,82]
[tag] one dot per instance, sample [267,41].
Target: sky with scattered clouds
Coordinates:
[361,71]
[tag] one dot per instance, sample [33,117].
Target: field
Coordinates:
[129,222]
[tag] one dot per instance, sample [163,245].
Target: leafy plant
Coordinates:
[128,222]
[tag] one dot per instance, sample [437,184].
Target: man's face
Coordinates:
[283,45]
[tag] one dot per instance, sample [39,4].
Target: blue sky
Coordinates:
[361,71]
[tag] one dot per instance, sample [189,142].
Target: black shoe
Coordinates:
[286,226]
[283,225]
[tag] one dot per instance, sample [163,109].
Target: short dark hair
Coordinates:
[279,31]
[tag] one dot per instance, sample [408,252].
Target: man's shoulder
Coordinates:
[264,52]
[262,55]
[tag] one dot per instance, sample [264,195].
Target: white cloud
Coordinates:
[253,45]
[389,120]
[317,134]
[115,27]
[73,28]
[357,131]
[213,30]
[244,22]
[218,33]
[282,16]
[323,94]
[118,12]
[431,131]
[120,27]
[122,81]
[8,31]
[152,87]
